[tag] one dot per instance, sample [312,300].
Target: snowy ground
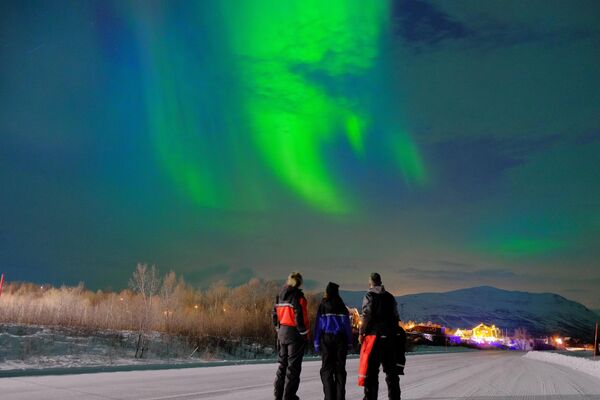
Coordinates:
[24,347]
[581,364]
[48,350]
[577,353]
[470,375]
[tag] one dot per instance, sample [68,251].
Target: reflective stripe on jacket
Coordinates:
[365,352]
[291,310]
[333,324]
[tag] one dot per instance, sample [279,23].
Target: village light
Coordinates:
[196,306]
[481,334]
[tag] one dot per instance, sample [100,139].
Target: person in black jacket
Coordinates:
[380,322]
[290,318]
[333,339]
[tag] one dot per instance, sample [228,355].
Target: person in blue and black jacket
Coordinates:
[333,339]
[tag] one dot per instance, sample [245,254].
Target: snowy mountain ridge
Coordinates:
[540,313]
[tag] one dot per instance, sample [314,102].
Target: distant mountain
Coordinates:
[540,313]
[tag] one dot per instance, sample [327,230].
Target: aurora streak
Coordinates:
[288,62]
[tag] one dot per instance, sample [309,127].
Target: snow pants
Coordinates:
[383,353]
[334,349]
[288,373]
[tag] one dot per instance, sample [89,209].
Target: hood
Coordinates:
[332,290]
[377,289]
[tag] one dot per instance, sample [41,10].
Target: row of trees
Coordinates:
[152,303]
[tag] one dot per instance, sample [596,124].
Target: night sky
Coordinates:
[443,144]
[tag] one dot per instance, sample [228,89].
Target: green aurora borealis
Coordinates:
[274,52]
[445,144]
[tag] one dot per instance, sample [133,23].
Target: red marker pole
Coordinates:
[1,283]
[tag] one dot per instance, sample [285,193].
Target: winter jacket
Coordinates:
[290,315]
[332,318]
[400,350]
[379,313]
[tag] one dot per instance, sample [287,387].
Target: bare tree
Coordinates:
[167,294]
[522,338]
[146,282]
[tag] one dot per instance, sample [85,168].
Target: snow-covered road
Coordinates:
[473,375]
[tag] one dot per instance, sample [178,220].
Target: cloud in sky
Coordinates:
[464,276]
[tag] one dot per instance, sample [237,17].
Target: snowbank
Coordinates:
[581,364]
[39,347]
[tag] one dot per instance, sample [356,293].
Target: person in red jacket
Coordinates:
[290,318]
[381,341]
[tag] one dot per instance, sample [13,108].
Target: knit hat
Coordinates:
[332,290]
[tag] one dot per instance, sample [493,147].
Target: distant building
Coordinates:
[486,333]
[463,333]
[481,334]
[429,329]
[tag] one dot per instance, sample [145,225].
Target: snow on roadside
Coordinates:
[29,347]
[581,364]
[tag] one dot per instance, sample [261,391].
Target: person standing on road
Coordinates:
[290,318]
[379,338]
[333,339]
